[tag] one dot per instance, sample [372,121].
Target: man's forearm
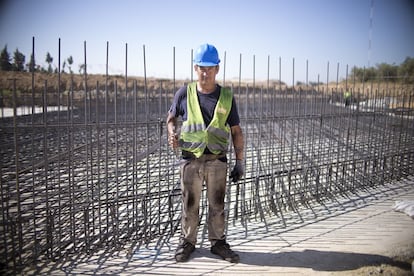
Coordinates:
[238,142]
[171,124]
[171,129]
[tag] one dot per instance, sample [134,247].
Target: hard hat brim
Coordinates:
[207,64]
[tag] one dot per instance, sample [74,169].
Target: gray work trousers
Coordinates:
[194,172]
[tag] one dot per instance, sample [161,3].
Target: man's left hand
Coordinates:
[237,171]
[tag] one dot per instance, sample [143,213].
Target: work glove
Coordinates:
[238,171]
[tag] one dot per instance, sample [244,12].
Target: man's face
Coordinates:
[206,74]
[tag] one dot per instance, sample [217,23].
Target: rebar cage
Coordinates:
[96,171]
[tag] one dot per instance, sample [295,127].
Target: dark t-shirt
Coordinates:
[207,103]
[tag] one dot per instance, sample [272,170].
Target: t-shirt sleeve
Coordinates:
[177,108]
[233,119]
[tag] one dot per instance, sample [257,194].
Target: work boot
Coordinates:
[222,249]
[184,250]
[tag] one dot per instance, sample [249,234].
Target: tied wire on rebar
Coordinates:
[97,172]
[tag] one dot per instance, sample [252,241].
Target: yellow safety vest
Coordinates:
[195,136]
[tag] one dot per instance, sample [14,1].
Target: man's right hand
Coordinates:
[173,140]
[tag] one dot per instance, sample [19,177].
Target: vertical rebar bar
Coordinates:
[32,153]
[59,153]
[147,203]
[18,219]
[115,206]
[106,144]
[224,69]
[98,164]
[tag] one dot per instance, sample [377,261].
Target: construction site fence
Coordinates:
[98,173]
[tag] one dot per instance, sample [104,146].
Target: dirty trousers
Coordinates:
[194,173]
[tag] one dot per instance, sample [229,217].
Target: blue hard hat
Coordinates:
[206,55]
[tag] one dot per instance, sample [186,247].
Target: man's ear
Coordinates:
[195,67]
[217,69]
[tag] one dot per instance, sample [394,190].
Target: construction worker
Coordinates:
[347,97]
[209,114]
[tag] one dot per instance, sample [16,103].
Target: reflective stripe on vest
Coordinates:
[195,136]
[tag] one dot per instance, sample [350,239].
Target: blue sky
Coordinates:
[317,31]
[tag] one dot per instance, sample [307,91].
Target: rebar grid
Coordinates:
[100,174]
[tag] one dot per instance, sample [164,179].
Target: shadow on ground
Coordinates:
[165,265]
[319,260]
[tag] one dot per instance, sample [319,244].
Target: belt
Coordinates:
[205,156]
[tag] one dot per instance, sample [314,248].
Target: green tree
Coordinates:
[63,66]
[357,73]
[82,69]
[70,62]
[387,71]
[19,60]
[383,71]
[370,73]
[363,74]
[406,70]
[49,60]
[31,66]
[5,64]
